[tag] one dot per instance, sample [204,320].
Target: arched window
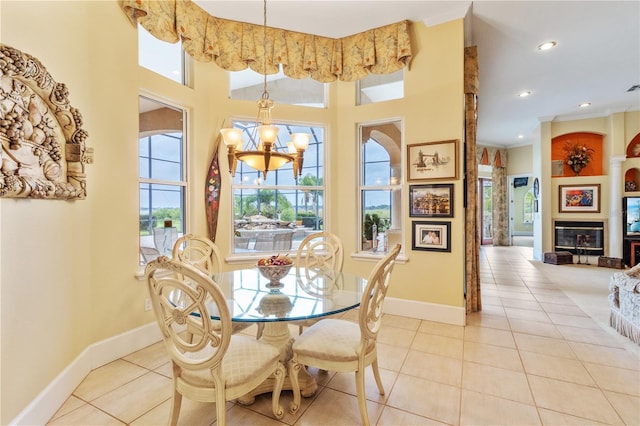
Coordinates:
[380,186]
[527,207]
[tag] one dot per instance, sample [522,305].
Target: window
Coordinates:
[377,88]
[527,206]
[248,85]
[380,185]
[162,178]
[161,57]
[274,214]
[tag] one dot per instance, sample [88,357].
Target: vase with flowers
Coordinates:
[578,156]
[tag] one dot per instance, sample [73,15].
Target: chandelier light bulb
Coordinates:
[231,137]
[300,140]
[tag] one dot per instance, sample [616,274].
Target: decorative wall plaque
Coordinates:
[42,144]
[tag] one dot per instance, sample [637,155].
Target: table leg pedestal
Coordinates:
[278,335]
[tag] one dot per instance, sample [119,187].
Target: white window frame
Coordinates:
[183,182]
[398,187]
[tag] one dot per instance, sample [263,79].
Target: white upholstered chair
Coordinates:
[344,346]
[214,366]
[198,251]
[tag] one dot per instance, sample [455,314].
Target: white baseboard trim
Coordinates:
[45,405]
[425,311]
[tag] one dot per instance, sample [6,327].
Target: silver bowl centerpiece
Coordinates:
[275,268]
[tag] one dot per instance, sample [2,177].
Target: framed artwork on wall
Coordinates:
[431,236]
[579,198]
[435,200]
[432,161]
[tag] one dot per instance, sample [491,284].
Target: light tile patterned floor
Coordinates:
[540,352]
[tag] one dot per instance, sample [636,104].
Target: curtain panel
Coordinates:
[473,293]
[234,45]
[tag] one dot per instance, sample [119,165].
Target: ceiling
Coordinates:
[596,60]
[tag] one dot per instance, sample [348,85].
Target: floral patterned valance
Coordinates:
[234,45]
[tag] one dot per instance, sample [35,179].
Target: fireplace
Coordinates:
[580,237]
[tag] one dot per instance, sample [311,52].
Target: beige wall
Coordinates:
[520,160]
[67,268]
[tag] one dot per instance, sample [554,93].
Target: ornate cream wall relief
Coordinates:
[42,150]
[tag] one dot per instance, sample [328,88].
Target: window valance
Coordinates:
[234,45]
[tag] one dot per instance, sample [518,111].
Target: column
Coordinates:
[615,206]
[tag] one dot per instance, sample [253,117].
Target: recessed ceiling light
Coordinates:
[547,45]
[520,136]
[584,104]
[524,94]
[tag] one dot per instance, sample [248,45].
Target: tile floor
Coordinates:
[540,352]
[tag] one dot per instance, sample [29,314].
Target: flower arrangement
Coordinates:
[578,156]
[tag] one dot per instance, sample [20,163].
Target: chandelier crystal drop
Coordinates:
[267,155]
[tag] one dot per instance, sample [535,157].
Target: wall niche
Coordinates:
[632,180]
[559,145]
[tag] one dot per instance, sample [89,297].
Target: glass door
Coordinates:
[486,221]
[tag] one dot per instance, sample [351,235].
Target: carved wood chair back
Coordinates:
[210,365]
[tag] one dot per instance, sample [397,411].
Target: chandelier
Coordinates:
[266,155]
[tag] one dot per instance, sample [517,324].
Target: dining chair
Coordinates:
[242,242]
[198,251]
[203,254]
[264,242]
[148,253]
[345,346]
[320,251]
[282,241]
[215,366]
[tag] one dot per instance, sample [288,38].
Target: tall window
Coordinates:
[380,186]
[161,57]
[162,178]
[380,87]
[275,214]
[248,85]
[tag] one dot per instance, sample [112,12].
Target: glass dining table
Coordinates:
[303,295]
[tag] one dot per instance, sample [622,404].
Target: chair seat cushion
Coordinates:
[330,339]
[245,360]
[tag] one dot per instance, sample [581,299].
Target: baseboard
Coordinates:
[45,405]
[425,311]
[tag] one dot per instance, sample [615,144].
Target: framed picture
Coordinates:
[431,236]
[432,160]
[579,198]
[435,200]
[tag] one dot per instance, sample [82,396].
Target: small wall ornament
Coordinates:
[42,143]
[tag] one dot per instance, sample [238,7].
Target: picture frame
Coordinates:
[431,236]
[579,198]
[432,161]
[433,200]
